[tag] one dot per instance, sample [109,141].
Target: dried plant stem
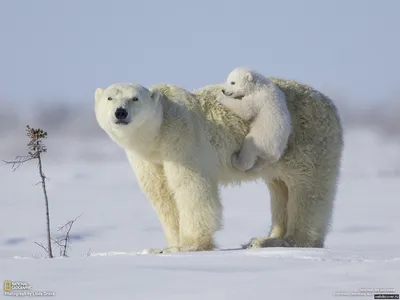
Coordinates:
[35,150]
[46,199]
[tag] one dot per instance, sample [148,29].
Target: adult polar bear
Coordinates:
[180,145]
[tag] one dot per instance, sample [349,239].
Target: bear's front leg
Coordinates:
[198,203]
[152,181]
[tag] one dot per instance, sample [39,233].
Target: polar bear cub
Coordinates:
[257,99]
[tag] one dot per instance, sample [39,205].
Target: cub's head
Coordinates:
[127,109]
[240,82]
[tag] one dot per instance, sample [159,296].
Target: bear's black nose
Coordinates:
[223,91]
[121,113]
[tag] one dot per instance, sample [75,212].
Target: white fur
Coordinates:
[140,133]
[260,101]
[180,145]
[153,143]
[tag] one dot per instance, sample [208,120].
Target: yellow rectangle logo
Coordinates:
[7,285]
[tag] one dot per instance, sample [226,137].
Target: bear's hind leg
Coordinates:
[309,214]
[198,203]
[279,200]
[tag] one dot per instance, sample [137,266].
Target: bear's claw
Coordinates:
[265,242]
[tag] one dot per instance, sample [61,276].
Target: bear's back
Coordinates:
[316,124]
[317,134]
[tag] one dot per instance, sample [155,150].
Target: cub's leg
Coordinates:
[198,203]
[153,183]
[246,158]
[270,133]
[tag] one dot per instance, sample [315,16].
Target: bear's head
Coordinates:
[127,112]
[240,83]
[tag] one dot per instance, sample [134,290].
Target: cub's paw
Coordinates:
[240,163]
[259,165]
[221,98]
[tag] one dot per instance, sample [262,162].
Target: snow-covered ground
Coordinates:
[362,251]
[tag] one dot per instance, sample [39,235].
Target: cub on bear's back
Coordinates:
[314,117]
[316,124]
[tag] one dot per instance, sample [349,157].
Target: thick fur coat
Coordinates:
[258,100]
[180,144]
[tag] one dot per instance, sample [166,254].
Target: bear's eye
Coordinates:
[135,99]
[109,98]
[232,82]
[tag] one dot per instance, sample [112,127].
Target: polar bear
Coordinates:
[257,99]
[180,144]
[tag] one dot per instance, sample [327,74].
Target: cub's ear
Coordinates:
[98,93]
[155,95]
[249,76]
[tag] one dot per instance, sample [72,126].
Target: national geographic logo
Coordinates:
[16,285]
[22,288]
[7,285]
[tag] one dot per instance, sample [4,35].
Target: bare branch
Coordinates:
[57,242]
[64,241]
[19,160]
[43,247]
[60,246]
[69,224]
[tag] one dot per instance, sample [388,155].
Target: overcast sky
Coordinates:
[64,50]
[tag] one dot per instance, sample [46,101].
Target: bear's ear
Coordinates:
[98,93]
[249,76]
[155,95]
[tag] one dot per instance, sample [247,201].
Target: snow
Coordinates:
[105,260]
